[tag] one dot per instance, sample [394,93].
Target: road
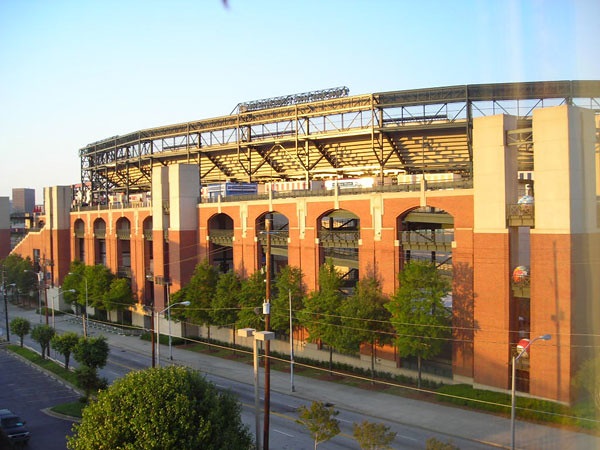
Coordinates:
[284,433]
[413,421]
[27,391]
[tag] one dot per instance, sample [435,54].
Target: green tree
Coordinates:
[192,414]
[74,281]
[92,352]
[588,380]
[119,296]
[20,327]
[288,281]
[365,318]
[43,334]
[200,292]
[21,272]
[434,444]
[99,279]
[421,321]
[92,285]
[18,270]
[252,296]
[373,436]
[89,380]
[225,304]
[320,421]
[320,315]
[65,344]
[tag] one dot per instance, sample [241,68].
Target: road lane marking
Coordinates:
[406,437]
[285,434]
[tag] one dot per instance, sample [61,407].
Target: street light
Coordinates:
[6,309]
[168,310]
[515,358]
[293,389]
[84,321]
[258,336]
[39,277]
[60,291]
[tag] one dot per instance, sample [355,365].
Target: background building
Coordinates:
[23,200]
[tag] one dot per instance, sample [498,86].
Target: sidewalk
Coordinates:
[452,421]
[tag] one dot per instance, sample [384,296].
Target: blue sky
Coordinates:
[73,72]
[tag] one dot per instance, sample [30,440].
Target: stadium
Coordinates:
[498,184]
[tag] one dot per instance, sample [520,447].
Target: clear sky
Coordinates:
[74,72]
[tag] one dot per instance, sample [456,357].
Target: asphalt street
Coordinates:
[413,420]
[27,392]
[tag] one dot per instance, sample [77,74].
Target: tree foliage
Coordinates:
[20,327]
[97,287]
[92,352]
[200,292]
[373,436]
[75,281]
[89,380]
[43,334]
[65,344]
[434,444]
[288,282]
[588,380]
[99,279]
[119,296]
[421,321]
[252,296]
[225,304]
[365,318]
[320,315]
[320,421]
[18,271]
[162,408]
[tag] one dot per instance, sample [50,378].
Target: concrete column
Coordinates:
[495,178]
[184,192]
[565,245]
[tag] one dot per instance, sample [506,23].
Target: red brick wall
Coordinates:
[491,309]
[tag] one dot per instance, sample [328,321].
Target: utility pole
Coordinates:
[267,313]
[5,305]
[44,263]
[152,334]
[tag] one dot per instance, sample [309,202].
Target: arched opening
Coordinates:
[124,248]
[100,242]
[339,234]
[426,234]
[79,231]
[279,235]
[220,248]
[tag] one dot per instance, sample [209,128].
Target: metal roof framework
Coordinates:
[411,131]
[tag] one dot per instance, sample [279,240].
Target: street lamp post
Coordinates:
[293,389]
[515,358]
[39,277]
[167,309]
[258,336]
[84,320]
[6,308]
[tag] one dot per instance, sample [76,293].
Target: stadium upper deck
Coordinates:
[398,132]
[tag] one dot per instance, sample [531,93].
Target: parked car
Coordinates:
[13,428]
